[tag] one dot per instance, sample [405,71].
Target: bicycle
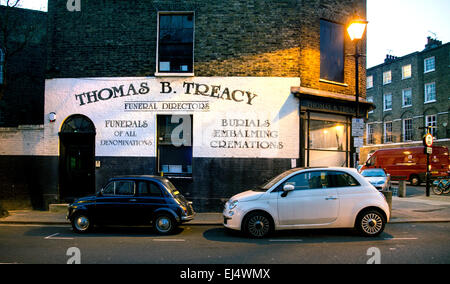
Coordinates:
[441,186]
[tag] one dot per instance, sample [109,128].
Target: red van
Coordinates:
[410,163]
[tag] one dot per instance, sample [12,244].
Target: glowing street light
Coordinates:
[356,29]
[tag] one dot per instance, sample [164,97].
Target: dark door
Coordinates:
[77,158]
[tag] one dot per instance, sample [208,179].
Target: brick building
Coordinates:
[410,92]
[216,95]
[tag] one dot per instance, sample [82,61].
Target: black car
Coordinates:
[132,200]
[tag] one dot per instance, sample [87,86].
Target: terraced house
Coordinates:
[411,92]
[215,95]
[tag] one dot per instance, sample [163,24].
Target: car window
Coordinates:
[309,180]
[146,188]
[341,179]
[124,187]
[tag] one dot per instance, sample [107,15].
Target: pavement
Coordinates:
[404,210]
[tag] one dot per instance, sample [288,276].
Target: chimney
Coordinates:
[432,43]
[390,58]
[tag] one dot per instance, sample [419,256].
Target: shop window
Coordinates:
[176,43]
[327,140]
[331,51]
[175,144]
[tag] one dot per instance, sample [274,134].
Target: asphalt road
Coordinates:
[400,243]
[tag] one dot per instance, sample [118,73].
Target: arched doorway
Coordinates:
[77,157]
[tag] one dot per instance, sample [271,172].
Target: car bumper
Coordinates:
[231,221]
[187,218]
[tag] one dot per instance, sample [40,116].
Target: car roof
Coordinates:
[141,177]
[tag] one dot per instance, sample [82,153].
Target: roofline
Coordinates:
[408,55]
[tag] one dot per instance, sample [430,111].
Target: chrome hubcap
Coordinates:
[82,223]
[258,226]
[372,223]
[163,224]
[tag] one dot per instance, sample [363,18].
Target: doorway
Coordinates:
[77,158]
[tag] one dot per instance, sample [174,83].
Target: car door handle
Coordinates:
[132,200]
[331,198]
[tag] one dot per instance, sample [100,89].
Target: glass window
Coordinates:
[406,98]
[124,188]
[175,144]
[388,132]
[406,71]
[387,102]
[387,77]
[341,179]
[407,129]
[331,51]
[430,121]
[370,139]
[429,64]
[369,82]
[176,43]
[327,135]
[119,188]
[430,92]
[149,189]
[309,180]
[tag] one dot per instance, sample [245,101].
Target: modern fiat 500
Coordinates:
[132,200]
[309,198]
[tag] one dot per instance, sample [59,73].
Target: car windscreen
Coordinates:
[268,184]
[373,173]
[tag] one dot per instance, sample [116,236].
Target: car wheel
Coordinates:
[81,223]
[370,223]
[258,225]
[164,224]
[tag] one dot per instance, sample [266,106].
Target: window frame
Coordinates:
[426,94]
[114,182]
[385,77]
[159,73]
[369,86]
[411,134]
[386,140]
[433,122]
[325,46]
[409,73]
[403,97]
[425,61]
[384,102]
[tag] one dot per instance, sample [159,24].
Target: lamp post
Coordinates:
[356,30]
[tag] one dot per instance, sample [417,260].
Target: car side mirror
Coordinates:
[100,193]
[286,189]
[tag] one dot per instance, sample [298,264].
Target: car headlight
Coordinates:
[232,204]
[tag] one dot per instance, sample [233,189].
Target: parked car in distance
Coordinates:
[132,200]
[378,178]
[410,163]
[309,198]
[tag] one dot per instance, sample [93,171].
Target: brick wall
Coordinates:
[232,38]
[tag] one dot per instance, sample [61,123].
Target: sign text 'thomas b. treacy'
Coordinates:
[189,88]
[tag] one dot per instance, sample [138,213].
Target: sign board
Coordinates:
[428,140]
[429,150]
[358,142]
[357,127]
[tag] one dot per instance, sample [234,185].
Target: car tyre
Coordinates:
[164,224]
[370,223]
[258,225]
[81,223]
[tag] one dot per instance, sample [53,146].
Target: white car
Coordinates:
[309,198]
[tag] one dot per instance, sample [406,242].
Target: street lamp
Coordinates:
[356,32]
